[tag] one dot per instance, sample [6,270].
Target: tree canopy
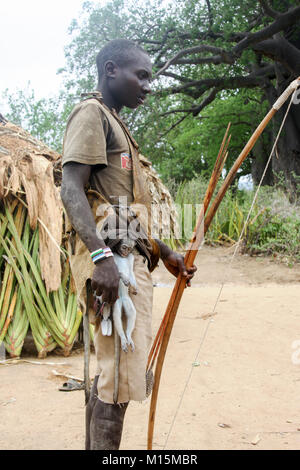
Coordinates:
[214,61]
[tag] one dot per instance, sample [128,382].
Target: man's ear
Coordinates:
[110,69]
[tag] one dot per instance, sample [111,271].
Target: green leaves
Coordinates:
[273,228]
[180,143]
[54,318]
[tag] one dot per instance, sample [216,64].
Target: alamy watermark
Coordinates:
[296,98]
[296,352]
[161,221]
[2,352]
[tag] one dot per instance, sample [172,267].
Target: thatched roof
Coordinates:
[164,220]
[26,169]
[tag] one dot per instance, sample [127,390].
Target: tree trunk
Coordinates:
[260,155]
[286,161]
[285,165]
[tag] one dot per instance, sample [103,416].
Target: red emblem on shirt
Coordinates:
[126,162]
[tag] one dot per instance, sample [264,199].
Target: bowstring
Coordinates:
[227,272]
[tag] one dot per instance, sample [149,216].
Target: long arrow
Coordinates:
[198,238]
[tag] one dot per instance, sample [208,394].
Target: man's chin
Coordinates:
[133,106]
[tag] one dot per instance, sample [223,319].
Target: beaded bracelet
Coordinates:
[100,254]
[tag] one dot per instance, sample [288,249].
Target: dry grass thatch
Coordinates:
[26,169]
[164,217]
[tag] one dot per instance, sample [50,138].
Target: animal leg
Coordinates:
[117,316]
[124,278]
[117,367]
[130,313]
[132,278]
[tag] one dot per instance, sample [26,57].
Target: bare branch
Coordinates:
[268,10]
[174,111]
[282,51]
[173,126]
[192,50]
[210,15]
[243,39]
[205,102]
[254,79]
[180,78]
[280,24]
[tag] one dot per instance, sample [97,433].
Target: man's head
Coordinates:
[124,72]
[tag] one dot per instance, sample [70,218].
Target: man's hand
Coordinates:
[174,263]
[106,279]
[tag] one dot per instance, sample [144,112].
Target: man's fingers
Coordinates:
[191,272]
[181,266]
[114,295]
[98,290]
[110,295]
[192,269]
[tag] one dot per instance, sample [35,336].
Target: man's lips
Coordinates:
[141,99]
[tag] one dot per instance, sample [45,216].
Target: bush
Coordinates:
[273,227]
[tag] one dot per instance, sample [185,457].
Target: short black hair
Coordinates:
[119,51]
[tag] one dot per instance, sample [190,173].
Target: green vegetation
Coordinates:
[273,227]
[209,74]
[53,318]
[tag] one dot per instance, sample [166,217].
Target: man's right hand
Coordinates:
[106,279]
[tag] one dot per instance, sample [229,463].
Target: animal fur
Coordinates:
[124,259]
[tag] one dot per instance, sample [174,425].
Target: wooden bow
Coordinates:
[162,338]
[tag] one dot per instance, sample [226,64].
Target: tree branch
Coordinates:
[180,78]
[281,23]
[194,50]
[268,10]
[282,51]
[205,102]
[252,80]
[173,126]
[210,15]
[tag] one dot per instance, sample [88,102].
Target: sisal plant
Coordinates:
[37,292]
[36,289]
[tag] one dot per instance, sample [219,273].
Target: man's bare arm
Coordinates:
[174,262]
[105,279]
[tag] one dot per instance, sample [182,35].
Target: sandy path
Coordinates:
[243,393]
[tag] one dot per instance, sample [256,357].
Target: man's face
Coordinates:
[131,83]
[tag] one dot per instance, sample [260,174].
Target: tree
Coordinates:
[214,61]
[203,52]
[44,118]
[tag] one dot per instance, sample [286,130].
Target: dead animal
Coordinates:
[124,259]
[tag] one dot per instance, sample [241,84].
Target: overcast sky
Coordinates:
[33,36]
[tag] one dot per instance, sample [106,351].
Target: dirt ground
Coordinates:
[231,379]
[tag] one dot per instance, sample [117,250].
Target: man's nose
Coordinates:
[146,87]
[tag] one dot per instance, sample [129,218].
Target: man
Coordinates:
[100,155]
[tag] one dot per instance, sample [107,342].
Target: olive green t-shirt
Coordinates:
[94,137]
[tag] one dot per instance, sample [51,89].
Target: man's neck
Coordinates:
[108,100]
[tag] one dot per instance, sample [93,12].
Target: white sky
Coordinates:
[33,34]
